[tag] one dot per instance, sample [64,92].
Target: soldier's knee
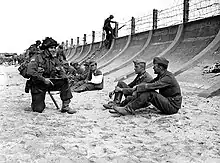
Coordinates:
[38,107]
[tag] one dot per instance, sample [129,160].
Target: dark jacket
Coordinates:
[139,79]
[168,87]
[43,66]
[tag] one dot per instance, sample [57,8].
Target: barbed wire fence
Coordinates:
[198,9]
[144,23]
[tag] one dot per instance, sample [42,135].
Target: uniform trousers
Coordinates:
[39,89]
[169,105]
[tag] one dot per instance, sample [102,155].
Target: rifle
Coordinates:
[54,101]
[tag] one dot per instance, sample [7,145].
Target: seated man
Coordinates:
[169,98]
[94,80]
[80,75]
[127,90]
[47,74]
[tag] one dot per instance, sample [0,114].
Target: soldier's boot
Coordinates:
[66,108]
[27,86]
[116,101]
[122,110]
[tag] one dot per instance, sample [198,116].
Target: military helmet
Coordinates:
[48,42]
[38,42]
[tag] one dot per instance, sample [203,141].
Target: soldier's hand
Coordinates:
[86,81]
[118,89]
[134,94]
[111,94]
[47,81]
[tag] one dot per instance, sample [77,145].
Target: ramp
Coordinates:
[68,52]
[95,47]
[136,44]
[118,55]
[79,50]
[191,73]
[160,41]
[101,52]
[117,46]
[85,51]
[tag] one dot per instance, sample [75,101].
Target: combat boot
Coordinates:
[66,108]
[115,102]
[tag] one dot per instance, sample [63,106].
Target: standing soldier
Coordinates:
[110,34]
[47,74]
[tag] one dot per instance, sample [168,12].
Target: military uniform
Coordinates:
[89,86]
[45,66]
[93,81]
[127,89]
[80,76]
[168,100]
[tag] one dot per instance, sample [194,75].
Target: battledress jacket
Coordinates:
[42,66]
[168,87]
[139,79]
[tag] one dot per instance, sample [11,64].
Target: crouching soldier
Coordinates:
[47,74]
[94,80]
[169,98]
[128,89]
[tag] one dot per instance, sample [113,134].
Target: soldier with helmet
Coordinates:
[47,74]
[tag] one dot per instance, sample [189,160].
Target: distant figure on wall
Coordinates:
[110,32]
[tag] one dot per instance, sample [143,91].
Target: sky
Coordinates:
[22,22]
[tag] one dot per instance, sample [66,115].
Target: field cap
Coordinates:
[139,61]
[161,61]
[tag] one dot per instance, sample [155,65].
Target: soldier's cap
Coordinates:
[138,61]
[161,61]
[86,64]
[48,42]
[92,62]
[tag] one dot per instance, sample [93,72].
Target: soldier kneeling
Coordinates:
[47,74]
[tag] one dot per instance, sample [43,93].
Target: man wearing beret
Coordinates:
[94,79]
[47,74]
[128,90]
[169,98]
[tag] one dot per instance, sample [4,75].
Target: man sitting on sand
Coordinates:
[94,80]
[128,89]
[169,98]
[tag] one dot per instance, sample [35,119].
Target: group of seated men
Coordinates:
[48,73]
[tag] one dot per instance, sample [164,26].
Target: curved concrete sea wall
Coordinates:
[189,47]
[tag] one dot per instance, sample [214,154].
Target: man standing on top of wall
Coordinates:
[110,34]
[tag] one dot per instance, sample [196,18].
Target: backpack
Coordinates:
[23,69]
